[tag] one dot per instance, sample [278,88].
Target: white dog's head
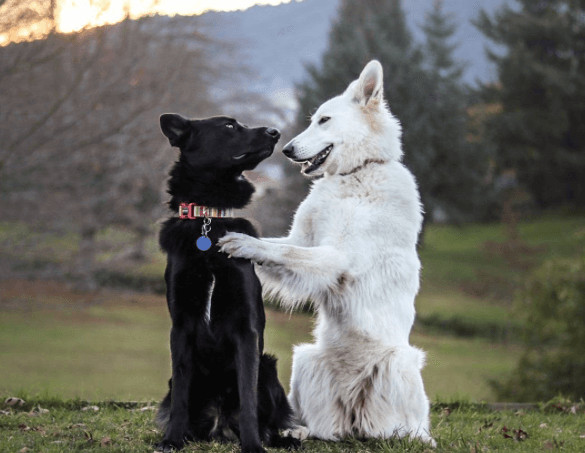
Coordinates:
[349,129]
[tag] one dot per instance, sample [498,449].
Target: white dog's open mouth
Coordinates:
[315,162]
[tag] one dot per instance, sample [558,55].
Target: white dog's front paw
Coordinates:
[239,245]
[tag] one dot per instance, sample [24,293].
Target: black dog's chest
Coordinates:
[179,236]
[209,284]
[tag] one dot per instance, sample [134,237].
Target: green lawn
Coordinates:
[55,426]
[114,345]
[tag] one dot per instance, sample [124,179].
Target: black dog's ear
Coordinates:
[175,127]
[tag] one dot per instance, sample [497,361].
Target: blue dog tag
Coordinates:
[203,243]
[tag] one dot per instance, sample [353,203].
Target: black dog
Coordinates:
[223,387]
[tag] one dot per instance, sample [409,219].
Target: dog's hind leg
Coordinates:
[312,395]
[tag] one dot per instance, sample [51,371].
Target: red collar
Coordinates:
[194,211]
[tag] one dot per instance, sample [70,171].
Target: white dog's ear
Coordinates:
[370,86]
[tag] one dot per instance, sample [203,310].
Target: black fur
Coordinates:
[223,386]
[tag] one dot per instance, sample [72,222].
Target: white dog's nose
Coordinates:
[289,149]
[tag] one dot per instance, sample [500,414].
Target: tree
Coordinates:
[538,131]
[452,170]
[363,31]
[80,146]
[424,90]
[552,308]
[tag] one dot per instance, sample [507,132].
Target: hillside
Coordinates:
[276,41]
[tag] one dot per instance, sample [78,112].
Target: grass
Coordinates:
[114,345]
[469,258]
[55,425]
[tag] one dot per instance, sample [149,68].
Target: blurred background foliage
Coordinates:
[500,165]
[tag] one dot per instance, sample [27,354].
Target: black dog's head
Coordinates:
[220,142]
[214,153]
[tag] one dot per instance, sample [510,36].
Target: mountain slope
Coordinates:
[275,41]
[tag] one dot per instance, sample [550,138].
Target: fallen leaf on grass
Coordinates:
[24,450]
[38,410]
[90,408]
[106,441]
[520,434]
[13,401]
[78,425]
[543,425]
[24,427]
[517,434]
[144,409]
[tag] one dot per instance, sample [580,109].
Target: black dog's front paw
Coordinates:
[165,447]
[168,445]
[287,442]
[253,449]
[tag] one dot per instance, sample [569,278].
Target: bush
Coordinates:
[552,307]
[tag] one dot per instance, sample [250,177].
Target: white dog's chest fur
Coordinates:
[373,215]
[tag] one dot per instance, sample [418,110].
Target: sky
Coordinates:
[74,15]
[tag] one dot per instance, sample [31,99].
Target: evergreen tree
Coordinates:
[539,130]
[424,95]
[365,30]
[452,169]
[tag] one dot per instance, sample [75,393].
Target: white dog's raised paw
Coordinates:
[241,245]
[298,432]
[233,244]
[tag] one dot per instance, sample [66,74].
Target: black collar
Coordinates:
[365,164]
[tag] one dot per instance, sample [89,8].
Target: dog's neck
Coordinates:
[362,166]
[215,188]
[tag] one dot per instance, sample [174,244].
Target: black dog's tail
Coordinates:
[275,413]
[163,414]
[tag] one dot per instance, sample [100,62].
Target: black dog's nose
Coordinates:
[273,132]
[288,150]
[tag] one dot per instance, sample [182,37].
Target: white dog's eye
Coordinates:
[324,119]
[229,125]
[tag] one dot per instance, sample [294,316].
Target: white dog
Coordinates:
[351,252]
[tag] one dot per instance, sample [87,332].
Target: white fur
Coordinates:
[351,251]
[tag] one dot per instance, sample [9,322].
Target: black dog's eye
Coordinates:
[229,125]
[324,119]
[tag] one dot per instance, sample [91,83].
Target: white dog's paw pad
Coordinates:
[299,432]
